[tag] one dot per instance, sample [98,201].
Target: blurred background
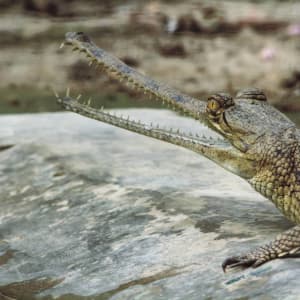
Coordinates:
[198,47]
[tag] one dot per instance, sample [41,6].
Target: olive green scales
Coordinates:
[257,142]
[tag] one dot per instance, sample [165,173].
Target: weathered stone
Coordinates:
[89,211]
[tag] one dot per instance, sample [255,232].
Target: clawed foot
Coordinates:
[243,262]
[284,245]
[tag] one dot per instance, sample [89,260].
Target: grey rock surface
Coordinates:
[89,211]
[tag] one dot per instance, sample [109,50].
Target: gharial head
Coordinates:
[246,122]
[246,118]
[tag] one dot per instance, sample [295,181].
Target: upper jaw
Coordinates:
[112,66]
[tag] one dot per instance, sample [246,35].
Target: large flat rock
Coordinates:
[89,211]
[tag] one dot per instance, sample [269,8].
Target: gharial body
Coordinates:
[259,143]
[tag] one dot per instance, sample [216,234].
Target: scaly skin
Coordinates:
[258,142]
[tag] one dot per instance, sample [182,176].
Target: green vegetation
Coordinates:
[27,100]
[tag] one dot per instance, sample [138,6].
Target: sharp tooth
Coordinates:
[68,92]
[78,97]
[55,93]
[89,102]
[90,63]
[61,45]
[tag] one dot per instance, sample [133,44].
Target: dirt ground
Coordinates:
[199,47]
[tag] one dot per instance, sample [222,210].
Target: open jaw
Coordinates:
[218,150]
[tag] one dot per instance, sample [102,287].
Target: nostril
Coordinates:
[82,37]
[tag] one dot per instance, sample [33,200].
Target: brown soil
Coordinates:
[199,47]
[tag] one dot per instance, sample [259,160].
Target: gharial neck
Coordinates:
[278,176]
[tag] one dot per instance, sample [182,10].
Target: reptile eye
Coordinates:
[218,103]
[213,105]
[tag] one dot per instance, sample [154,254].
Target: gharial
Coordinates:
[260,144]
